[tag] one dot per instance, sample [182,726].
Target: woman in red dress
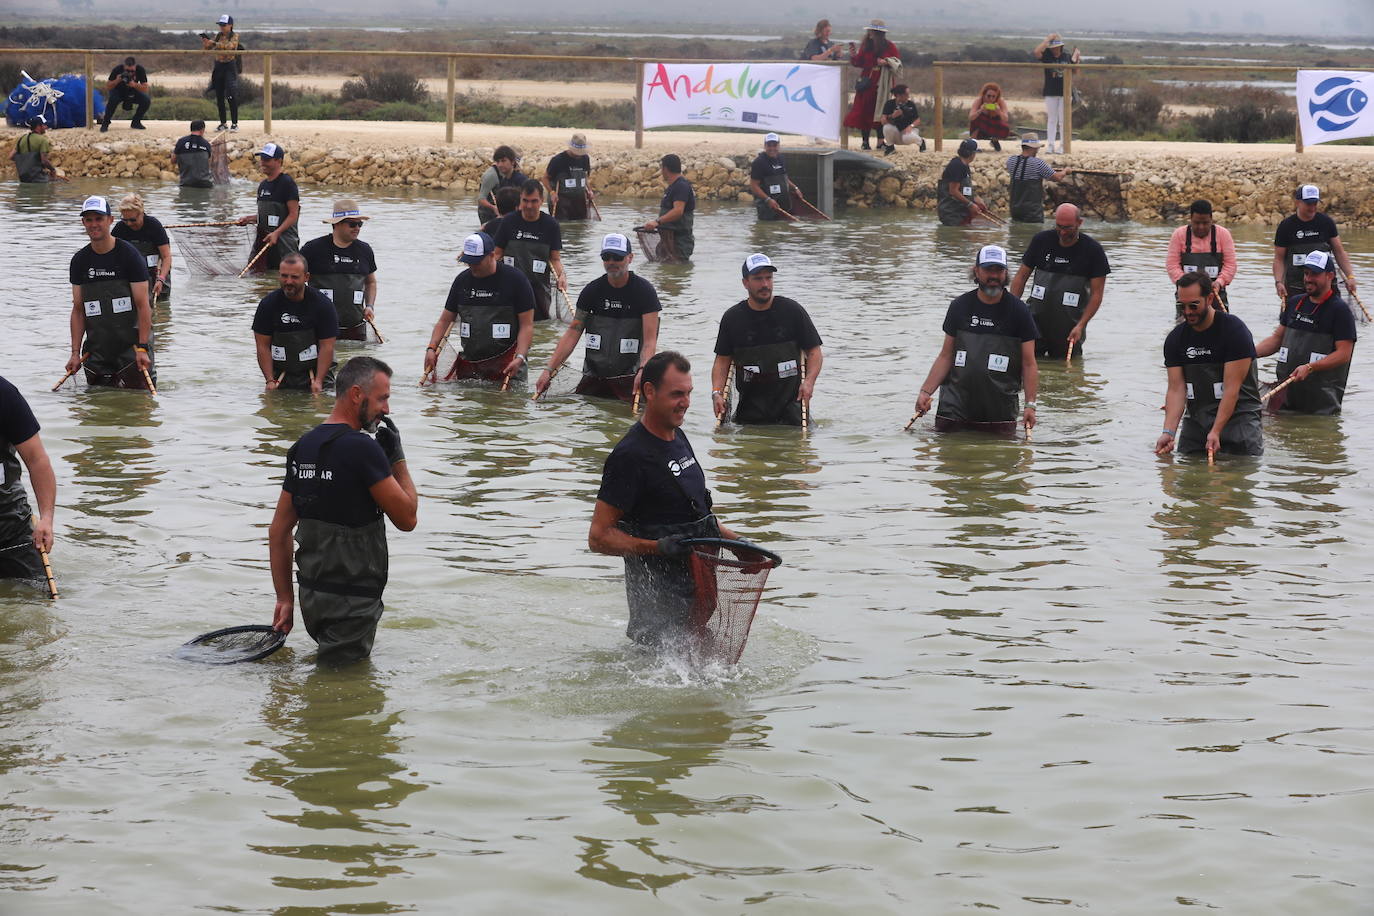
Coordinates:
[988,118]
[868,58]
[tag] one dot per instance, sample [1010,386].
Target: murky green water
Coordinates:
[990,674]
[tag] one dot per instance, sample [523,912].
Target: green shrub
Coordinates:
[1254,115]
[181,108]
[1111,110]
[405,111]
[386,86]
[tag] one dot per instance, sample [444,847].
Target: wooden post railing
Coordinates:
[639,103]
[267,93]
[1067,125]
[90,90]
[939,108]
[448,120]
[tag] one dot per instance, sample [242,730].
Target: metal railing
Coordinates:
[1069,70]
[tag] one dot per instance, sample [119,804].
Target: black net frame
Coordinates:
[232,645]
[729,577]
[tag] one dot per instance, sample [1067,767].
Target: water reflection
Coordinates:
[766,477]
[115,463]
[1206,502]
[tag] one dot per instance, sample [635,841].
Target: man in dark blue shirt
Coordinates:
[20,538]
[1314,340]
[676,213]
[294,330]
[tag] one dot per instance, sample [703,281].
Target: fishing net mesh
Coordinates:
[729,582]
[235,644]
[216,251]
[219,161]
[1098,194]
[657,246]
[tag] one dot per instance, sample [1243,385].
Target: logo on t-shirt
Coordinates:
[1304,233]
[522,234]
[288,318]
[677,467]
[93,272]
[481,293]
[612,305]
[976,322]
[1197,352]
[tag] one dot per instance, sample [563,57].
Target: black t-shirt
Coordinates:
[636,297]
[322,256]
[514,226]
[785,320]
[561,164]
[908,114]
[1226,340]
[1008,318]
[957,170]
[123,262]
[1054,77]
[654,482]
[333,487]
[1330,317]
[140,75]
[280,189]
[1084,258]
[507,286]
[192,143]
[680,189]
[1293,231]
[17,422]
[278,313]
[766,166]
[152,231]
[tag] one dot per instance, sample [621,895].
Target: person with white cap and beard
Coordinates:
[568,178]
[988,356]
[1303,231]
[768,181]
[1314,340]
[345,269]
[112,319]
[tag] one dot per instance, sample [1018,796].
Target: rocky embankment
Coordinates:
[1141,186]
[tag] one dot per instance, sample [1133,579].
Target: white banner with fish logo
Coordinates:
[1335,105]
[787,98]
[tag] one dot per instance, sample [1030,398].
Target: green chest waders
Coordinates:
[777,187]
[297,354]
[1205,388]
[1296,255]
[1057,302]
[194,168]
[487,336]
[28,162]
[1321,392]
[570,190]
[660,591]
[271,214]
[531,258]
[151,257]
[954,212]
[15,515]
[768,380]
[1027,194]
[611,346]
[984,385]
[341,573]
[111,333]
[1209,262]
[346,292]
[680,232]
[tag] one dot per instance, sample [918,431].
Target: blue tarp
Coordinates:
[62,100]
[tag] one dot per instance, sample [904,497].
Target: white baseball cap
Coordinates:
[271,151]
[226,19]
[95,205]
[755,263]
[1308,192]
[476,247]
[1319,260]
[615,243]
[992,255]
[771,138]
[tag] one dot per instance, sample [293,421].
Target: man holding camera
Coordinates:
[128,85]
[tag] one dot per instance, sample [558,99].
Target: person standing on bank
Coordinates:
[775,350]
[1051,51]
[224,78]
[772,189]
[1069,267]
[339,484]
[531,241]
[501,174]
[901,121]
[110,308]
[191,157]
[1211,361]
[294,331]
[568,179]
[1315,340]
[1303,231]
[653,496]
[345,269]
[877,59]
[279,209]
[493,304]
[676,213]
[20,539]
[618,314]
[30,155]
[820,47]
[988,357]
[146,234]
[128,84]
[956,203]
[1202,246]
[1028,173]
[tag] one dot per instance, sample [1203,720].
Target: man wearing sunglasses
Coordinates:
[127,84]
[1213,386]
[617,314]
[1067,270]
[345,269]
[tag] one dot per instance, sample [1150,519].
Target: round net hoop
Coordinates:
[232,645]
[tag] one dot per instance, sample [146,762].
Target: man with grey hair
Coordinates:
[339,484]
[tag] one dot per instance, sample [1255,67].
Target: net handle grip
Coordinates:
[736,543]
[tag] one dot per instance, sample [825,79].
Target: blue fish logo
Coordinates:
[1337,103]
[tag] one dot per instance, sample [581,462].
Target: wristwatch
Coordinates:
[1030,405]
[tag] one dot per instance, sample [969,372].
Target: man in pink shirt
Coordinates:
[1205,247]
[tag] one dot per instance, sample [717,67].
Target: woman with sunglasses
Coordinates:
[345,269]
[146,234]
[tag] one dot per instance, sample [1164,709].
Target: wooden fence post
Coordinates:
[1066,125]
[452,74]
[90,90]
[939,109]
[639,103]
[267,93]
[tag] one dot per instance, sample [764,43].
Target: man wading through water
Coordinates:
[653,496]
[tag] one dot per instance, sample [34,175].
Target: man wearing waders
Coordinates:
[774,348]
[988,357]
[1303,231]
[1211,363]
[110,308]
[956,204]
[1314,340]
[146,234]
[1202,247]
[279,209]
[768,181]
[20,537]
[493,305]
[294,331]
[30,154]
[1028,173]
[1067,270]
[344,269]
[617,315]
[653,496]
[531,241]
[568,178]
[676,213]
[339,483]
[191,156]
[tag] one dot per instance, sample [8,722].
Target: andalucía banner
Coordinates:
[1334,105]
[786,98]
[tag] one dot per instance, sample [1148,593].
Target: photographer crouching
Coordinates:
[128,85]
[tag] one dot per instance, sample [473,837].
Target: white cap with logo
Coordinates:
[1309,192]
[615,243]
[755,263]
[1320,261]
[95,204]
[992,256]
[771,138]
[476,247]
